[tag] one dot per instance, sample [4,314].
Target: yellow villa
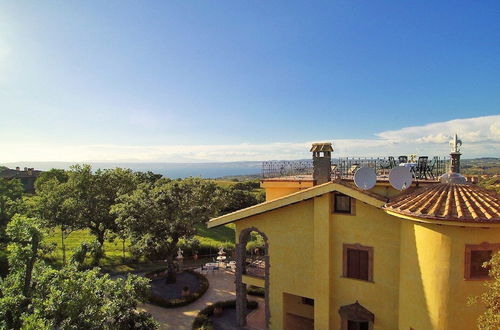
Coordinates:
[340,257]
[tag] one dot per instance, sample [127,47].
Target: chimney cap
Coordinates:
[321,146]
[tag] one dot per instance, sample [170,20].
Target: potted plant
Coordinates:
[194,244]
[218,309]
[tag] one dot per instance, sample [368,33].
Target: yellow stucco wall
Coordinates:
[369,227]
[433,292]
[290,234]
[276,188]
[418,275]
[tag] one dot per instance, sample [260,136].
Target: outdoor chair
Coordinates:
[430,166]
[421,168]
[403,159]
[353,169]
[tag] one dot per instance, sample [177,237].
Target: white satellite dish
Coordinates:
[365,178]
[400,177]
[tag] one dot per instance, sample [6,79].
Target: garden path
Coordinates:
[221,288]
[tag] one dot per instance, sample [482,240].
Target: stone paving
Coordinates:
[221,288]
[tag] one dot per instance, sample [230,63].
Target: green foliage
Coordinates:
[157,216]
[54,174]
[490,319]
[182,301]
[10,192]
[256,291]
[95,193]
[35,296]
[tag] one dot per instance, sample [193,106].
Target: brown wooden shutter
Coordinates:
[363,265]
[353,263]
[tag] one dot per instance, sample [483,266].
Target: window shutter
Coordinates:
[363,265]
[353,263]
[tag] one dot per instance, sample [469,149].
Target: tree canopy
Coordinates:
[158,215]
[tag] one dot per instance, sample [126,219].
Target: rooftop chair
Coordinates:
[403,159]
[353,169]
[421,169]
[431,165]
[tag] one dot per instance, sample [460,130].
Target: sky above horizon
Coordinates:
[195,81]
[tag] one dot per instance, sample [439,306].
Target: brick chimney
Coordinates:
[322,156]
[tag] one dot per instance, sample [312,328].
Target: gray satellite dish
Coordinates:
[365,178]
[400,177]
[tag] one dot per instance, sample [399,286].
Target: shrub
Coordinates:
[203,321]
[181,301]
[256,291]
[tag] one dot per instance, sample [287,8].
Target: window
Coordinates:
[475,256]
[354,325]
[358,262]
[307,301]
[342,203]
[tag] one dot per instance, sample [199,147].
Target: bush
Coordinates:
[256,291]
[203,321]
[182,301]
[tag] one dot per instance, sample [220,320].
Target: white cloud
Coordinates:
[480,135]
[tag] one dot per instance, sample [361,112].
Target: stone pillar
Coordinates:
[241,288]
[455,162]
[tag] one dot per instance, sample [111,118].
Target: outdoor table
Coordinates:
[408,165]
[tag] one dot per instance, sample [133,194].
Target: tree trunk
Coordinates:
[63,247]
[171,272]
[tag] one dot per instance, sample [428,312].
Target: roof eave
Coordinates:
[295,198]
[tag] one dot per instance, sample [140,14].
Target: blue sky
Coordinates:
[246,80]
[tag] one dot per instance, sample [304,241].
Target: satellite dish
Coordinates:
[365,178]
[400,177]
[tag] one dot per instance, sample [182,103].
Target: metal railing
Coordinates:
[255,266]
[345,167]
[276,169]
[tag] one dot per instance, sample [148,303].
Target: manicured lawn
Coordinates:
[210,239]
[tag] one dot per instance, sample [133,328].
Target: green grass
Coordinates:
[209,239]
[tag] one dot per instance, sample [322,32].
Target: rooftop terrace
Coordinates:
[423,167]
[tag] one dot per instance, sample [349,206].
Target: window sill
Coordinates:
[358,279]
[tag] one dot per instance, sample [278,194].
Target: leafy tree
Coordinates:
[56,205]
[490,319]
[147,177]
[10,192]
[60,175]
[95,193]
[157,216]
[36,296]
[237,199]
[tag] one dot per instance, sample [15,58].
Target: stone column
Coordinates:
[455,162]
[241,288]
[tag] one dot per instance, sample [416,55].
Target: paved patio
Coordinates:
[221,288]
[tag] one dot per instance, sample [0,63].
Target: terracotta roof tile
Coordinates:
[453,202]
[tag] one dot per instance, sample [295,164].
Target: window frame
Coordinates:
[485,246]
[352,204]
[345,264]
